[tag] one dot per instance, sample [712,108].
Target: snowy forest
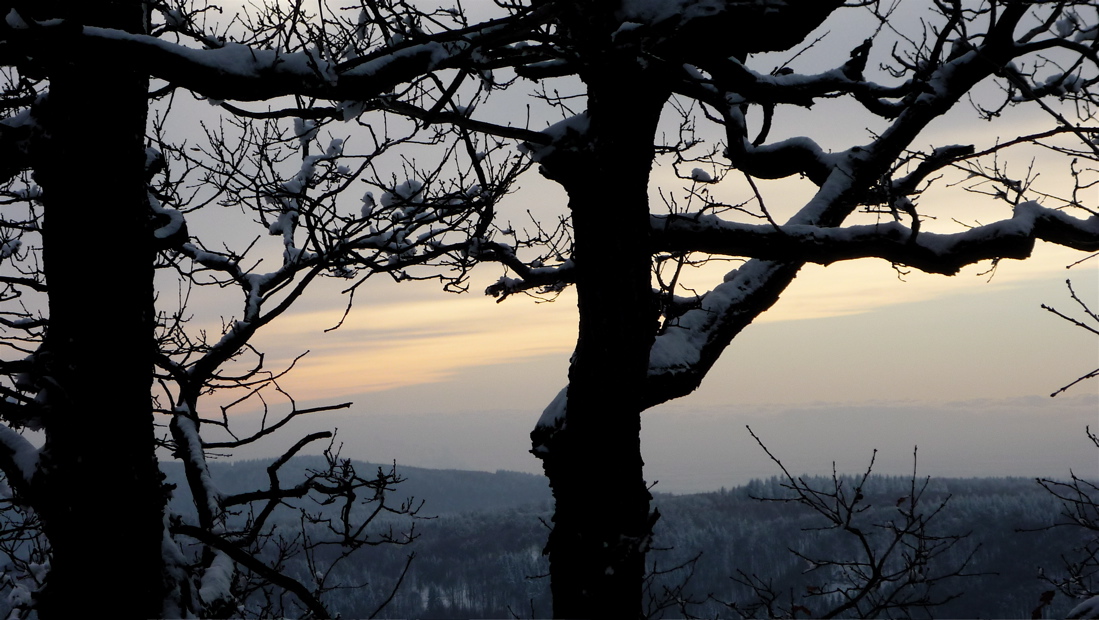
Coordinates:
[479,555]
[998,548]
[177,176]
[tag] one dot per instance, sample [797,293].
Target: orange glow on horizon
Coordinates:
[430,339]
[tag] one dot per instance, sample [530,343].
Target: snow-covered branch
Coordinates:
[18,461]
[688,30]
[732,75]
[255,565]
[225,70]
[892,241]
[690,340]
[691,343]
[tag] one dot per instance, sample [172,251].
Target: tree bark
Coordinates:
[102,499]
[602,521]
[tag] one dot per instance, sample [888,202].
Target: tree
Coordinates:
[100,201]
[1090,316]
[644,336]
[711,64]
[1079,499]
[899,561]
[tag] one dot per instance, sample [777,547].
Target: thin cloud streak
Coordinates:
[403,343]
[432,336]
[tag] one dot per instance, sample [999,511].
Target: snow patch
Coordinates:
[218,579]
[553,416]
[10,247]
[701,176]
[679,348]
[1087,609]
[408,191]
[15,20]
[192,451]
[175,219]
[23,454]
[572,126]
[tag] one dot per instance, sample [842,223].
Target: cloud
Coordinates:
[401,342]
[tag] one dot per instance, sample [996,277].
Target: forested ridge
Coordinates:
[478,551]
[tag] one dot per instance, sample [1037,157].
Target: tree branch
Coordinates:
[238,72]
[250,562]
[892,241]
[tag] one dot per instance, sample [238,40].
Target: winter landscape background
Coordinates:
[629,160]
[478,551]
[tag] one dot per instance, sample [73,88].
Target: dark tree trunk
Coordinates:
[602,522]
[101,498]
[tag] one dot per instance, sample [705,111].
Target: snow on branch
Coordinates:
[239,72]
[690,343]
[18,459]
[692,336]
[930,252]
[723,28]
[732,75]
[250,562]
[189,450]
[226,70]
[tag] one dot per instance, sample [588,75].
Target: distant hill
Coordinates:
[482,555]
[444,491]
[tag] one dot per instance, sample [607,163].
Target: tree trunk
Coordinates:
[602,523]
[102,502]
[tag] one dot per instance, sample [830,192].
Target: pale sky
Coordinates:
[850,359]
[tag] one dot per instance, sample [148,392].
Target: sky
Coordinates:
[854,357]
[851,359]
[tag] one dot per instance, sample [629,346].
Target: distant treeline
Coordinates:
[480,537]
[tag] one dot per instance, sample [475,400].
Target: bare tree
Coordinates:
[1090,323]
[650,326]
[900,563]
[107,369]
[1079,497]
[643,338]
